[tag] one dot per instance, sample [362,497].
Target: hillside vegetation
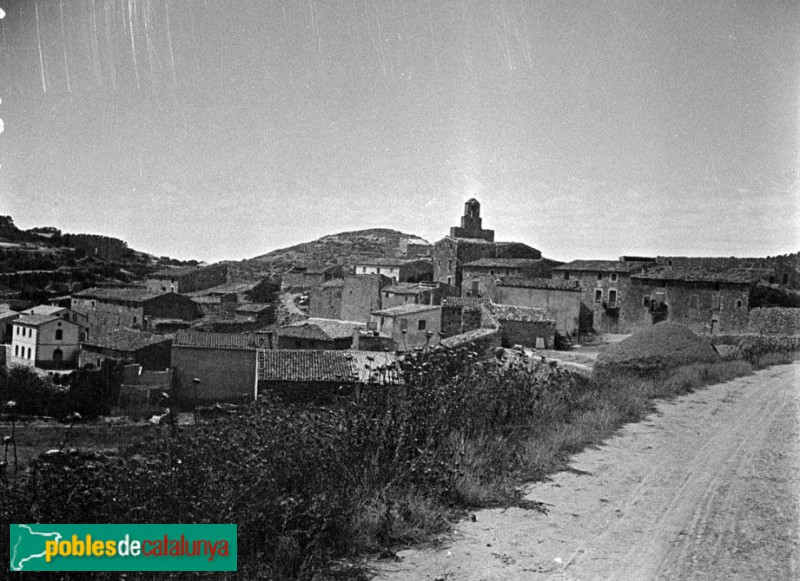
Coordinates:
[344,248]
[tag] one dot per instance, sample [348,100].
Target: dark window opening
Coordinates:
[612,298]
[421,325]
[598,295]
[59,335]
[739,304]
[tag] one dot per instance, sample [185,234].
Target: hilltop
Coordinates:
[345,248]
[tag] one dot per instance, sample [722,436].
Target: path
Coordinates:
[706,488]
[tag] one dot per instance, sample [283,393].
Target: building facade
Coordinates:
[45,341]
[187,279]
[561,298]
[410,326]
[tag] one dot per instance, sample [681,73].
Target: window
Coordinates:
[29,353]
[739,304]
[785,278]
[612,297]
[449,281]
[59,335]
[386,295]
[421,325]
[378,270]
[716,302]
[449,265]
[16,350]
[566,275]
[693,301]
[613,277]
[646,301]
[599,276]
[363,270]
[598,295]
[135,320]
[404,324]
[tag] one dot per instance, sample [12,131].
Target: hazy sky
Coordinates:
[222,129]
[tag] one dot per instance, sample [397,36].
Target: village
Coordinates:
[307,333]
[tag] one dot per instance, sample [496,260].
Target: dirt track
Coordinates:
[706,488]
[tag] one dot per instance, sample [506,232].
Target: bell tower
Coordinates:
[472,224]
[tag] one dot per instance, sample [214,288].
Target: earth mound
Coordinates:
[649,352]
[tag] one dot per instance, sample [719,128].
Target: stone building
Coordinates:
[528,326]
[703,299]
[224,363]
[561,298]
[187,279]
[325,301]
[150,351]
[605,287]
[469,243]
[480,276]
[411,293]
[300,278]
[319,376]
[114,308]
[410,326]
[361,294]
[397,269]
[315,333]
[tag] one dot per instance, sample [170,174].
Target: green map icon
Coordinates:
[28,545]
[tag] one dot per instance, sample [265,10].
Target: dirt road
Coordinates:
[706,488]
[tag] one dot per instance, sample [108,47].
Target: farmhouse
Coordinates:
[224,364]
[301,375]
[44,341]
[113,308]
[187,279]
[481,276]
[150,351]
[605,288]
[410,326]
[561,298]
[318,333]
[705,300]
[397,269]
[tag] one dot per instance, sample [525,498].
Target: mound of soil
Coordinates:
[663,346]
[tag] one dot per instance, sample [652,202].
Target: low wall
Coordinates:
[774,321]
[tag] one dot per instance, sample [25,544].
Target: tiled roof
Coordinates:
[460,240]
[515,313]
[43,310]
[600,266]
[701,274]
[234,341]
[464,301]
[321,329]
[133,295]
[335,282]
[404,310]
[407,288]
[180,271]
[253,308]
[329,366]
[37,320]
[388,261]
[125,340]
[467,337]
[542,283]
[504,262]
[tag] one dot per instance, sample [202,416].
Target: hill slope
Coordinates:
[345,248]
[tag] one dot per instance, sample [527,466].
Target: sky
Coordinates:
[223,129]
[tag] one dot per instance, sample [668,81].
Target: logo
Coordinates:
[122,547]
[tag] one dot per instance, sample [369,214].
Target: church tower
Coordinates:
[472,224]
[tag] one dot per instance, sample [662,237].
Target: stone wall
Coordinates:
[703,307]
[774,321]
[225,374]
[361,294]
[325,302]
[563,305]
